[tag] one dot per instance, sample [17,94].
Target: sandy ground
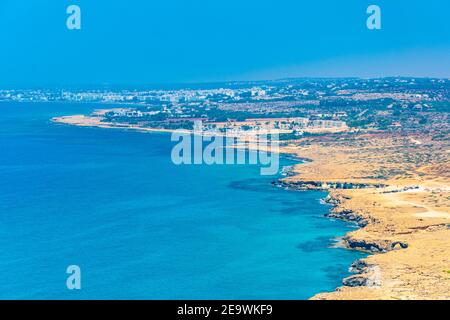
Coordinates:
[413,209]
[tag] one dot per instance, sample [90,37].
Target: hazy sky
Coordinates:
[172,41]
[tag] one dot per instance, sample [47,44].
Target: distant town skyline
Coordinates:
[174,41]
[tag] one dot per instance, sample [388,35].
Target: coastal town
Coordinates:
[379,147]
[296,107]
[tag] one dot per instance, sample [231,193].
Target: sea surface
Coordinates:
[140,227]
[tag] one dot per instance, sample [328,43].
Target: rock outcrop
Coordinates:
[320,185]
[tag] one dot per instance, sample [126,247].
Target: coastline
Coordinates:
[266,242]
[407,240]
[403,227]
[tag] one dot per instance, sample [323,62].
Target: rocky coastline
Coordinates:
[324,186]
[366,275]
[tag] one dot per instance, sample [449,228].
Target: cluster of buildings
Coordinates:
[296,105]
[281,125]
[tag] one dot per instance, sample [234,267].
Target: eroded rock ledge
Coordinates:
[367,275]
[319,185]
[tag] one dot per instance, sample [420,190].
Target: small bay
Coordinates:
[140,227]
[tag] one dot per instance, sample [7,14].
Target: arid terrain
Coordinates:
[405,220]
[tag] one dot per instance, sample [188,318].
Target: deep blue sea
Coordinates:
[139,227]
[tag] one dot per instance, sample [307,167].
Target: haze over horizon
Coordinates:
[175,41]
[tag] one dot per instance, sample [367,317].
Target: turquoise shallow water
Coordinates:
[140,227]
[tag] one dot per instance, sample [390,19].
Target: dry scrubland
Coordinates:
[405,223]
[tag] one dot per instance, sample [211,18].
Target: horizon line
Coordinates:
[200,83]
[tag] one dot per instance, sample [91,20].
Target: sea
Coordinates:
[140,227]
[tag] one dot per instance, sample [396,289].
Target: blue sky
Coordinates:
[173,41]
